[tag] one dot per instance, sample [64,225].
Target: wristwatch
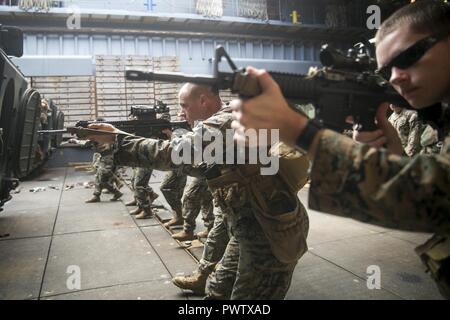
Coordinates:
[305,139]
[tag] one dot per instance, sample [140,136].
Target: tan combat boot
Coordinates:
[183,236]
[136,211]
[93,199]
[177,220]
[203,234]
[145,214]
[131,203]
[195,282]
[116,196]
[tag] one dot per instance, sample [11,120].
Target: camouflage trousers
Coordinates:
[172,187]
[105,179]
[248,269]
[141,178]
[197,197]
[215,244]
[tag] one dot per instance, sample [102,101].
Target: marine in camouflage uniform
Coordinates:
[197,198]
[213,251]
[220,283]
[408,127]
[143,193]
[264,216]
[43,140]
[172,187]
[105,173]
[373,186]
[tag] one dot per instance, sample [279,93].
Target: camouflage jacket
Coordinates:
[429,141]
[239,189]
[408,127]
[371,185]
[368,184]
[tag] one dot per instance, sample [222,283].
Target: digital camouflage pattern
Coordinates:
[215,244]
[367,184]
[103,163]
[263,278]
[264,216]
[220,283]
[172,187]
[408,127]
[141,178]
[197,197]
[429,141]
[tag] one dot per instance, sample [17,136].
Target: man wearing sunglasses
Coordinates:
[371,181]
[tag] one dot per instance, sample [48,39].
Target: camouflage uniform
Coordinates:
[215,244]
[408,127]
[263,214]
[44,112]
[220,283]
[141,178]
[371,185]
[172,187]
[105,171]
[197,197]
[429,141]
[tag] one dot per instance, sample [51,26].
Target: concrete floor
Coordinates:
[45,234]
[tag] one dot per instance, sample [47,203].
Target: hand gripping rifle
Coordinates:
[345,86]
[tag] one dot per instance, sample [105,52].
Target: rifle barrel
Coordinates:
[177,77]
[52,131]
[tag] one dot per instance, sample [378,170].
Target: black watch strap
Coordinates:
[305,140]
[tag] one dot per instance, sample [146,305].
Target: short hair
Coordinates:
[431,16]
[195,90]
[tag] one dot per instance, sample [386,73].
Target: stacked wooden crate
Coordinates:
[75,96]
[108,94]
[116,95]
[110,88]
[139,92]
[167,92]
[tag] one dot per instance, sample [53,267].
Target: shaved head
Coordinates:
[195,90]
[198,102]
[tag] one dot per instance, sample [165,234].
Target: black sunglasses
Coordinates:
[411,55]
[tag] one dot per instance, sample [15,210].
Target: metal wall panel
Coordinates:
[194,53]
[80,44]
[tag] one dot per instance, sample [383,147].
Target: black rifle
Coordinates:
[142,128]
[337,91]
[151,128]
[142,112]
[145,123]
[81,132]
